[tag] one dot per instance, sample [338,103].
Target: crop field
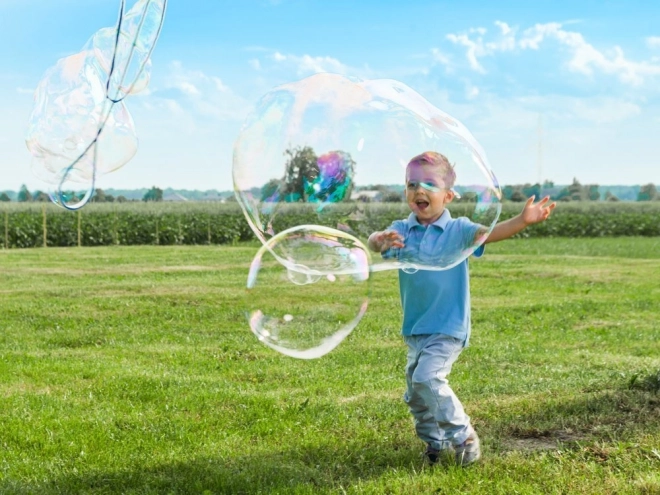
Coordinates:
[25,225]
[132,369]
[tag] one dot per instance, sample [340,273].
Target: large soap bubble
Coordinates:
[308,289]
[80,127]
[333,151]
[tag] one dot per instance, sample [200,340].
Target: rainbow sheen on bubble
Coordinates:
[80,127]
[332,151]
[333,178]
[308,289]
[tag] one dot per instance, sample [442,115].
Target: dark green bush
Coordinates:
[22,225]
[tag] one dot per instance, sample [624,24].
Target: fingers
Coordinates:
[544,201]
[389,239]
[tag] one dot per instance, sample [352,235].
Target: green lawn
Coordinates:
[133,370]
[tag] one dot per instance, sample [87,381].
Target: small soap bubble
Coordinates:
[333,151]
[308,314]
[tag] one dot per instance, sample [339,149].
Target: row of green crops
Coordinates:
[37,225]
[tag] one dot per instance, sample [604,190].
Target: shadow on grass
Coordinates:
[312,470]
[615,415]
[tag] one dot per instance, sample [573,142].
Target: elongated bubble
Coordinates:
[333,151]
[80,128]
[308,289]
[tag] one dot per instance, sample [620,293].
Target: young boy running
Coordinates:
[436,304]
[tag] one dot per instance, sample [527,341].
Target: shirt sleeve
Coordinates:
[469,229]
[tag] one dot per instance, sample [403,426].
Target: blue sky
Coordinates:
[585,76]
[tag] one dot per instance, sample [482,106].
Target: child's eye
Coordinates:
[428,185]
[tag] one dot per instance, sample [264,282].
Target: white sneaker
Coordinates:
[469,451]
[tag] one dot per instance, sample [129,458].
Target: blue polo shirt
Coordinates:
[435,301]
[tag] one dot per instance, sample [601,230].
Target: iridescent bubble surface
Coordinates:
[308,289]
[80,127]
[332,151]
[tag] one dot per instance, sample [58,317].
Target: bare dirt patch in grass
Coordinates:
[534,440]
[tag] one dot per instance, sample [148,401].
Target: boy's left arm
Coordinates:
[532,213]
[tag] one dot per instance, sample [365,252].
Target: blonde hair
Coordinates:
[439,160]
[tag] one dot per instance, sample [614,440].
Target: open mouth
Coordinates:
[422,205]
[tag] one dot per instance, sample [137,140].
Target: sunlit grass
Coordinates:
[132,370]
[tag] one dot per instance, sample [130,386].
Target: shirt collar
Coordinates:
[440,222]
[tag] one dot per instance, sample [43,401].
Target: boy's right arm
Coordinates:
[384,240]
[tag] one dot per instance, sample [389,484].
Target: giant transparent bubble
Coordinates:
[80,127]
[332,151]
[308,289]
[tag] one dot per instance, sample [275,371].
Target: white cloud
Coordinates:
[471,92]
[440,57]
[188,88]
[504,27]
[197,95]
[604,111]
[277,67]
[584,58]
[25,91]
[653,41]
[587,59]
[307,64]
[475,49]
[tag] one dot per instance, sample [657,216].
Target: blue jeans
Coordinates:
[439,416]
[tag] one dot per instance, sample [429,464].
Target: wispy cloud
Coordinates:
[583,57]
[196,94]
[308,64]
[291,65]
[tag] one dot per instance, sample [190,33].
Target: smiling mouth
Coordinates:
[422,205]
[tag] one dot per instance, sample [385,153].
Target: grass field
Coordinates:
[132,370]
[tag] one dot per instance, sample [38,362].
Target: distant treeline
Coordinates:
[389,193]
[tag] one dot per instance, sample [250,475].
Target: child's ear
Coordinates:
[449,196]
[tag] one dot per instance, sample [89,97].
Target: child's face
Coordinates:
[426,193]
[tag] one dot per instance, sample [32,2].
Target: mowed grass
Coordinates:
[132,370]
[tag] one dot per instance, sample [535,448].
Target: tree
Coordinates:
[647,192]
[269,190]
[532,190]
[591,192]
[610,197]
[314,179]
[99,196]
[392,197]
[301,164]
[468,197]
[153,194]
[24,194]
[4,198]
[121,199]
[40,197]
[518,196]
[575,190]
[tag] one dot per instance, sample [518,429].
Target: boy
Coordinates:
[436,304]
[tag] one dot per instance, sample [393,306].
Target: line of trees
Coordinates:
[100,196]
[305,181]
[573,192]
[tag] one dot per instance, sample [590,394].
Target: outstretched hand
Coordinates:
[537,212]
[387,239]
